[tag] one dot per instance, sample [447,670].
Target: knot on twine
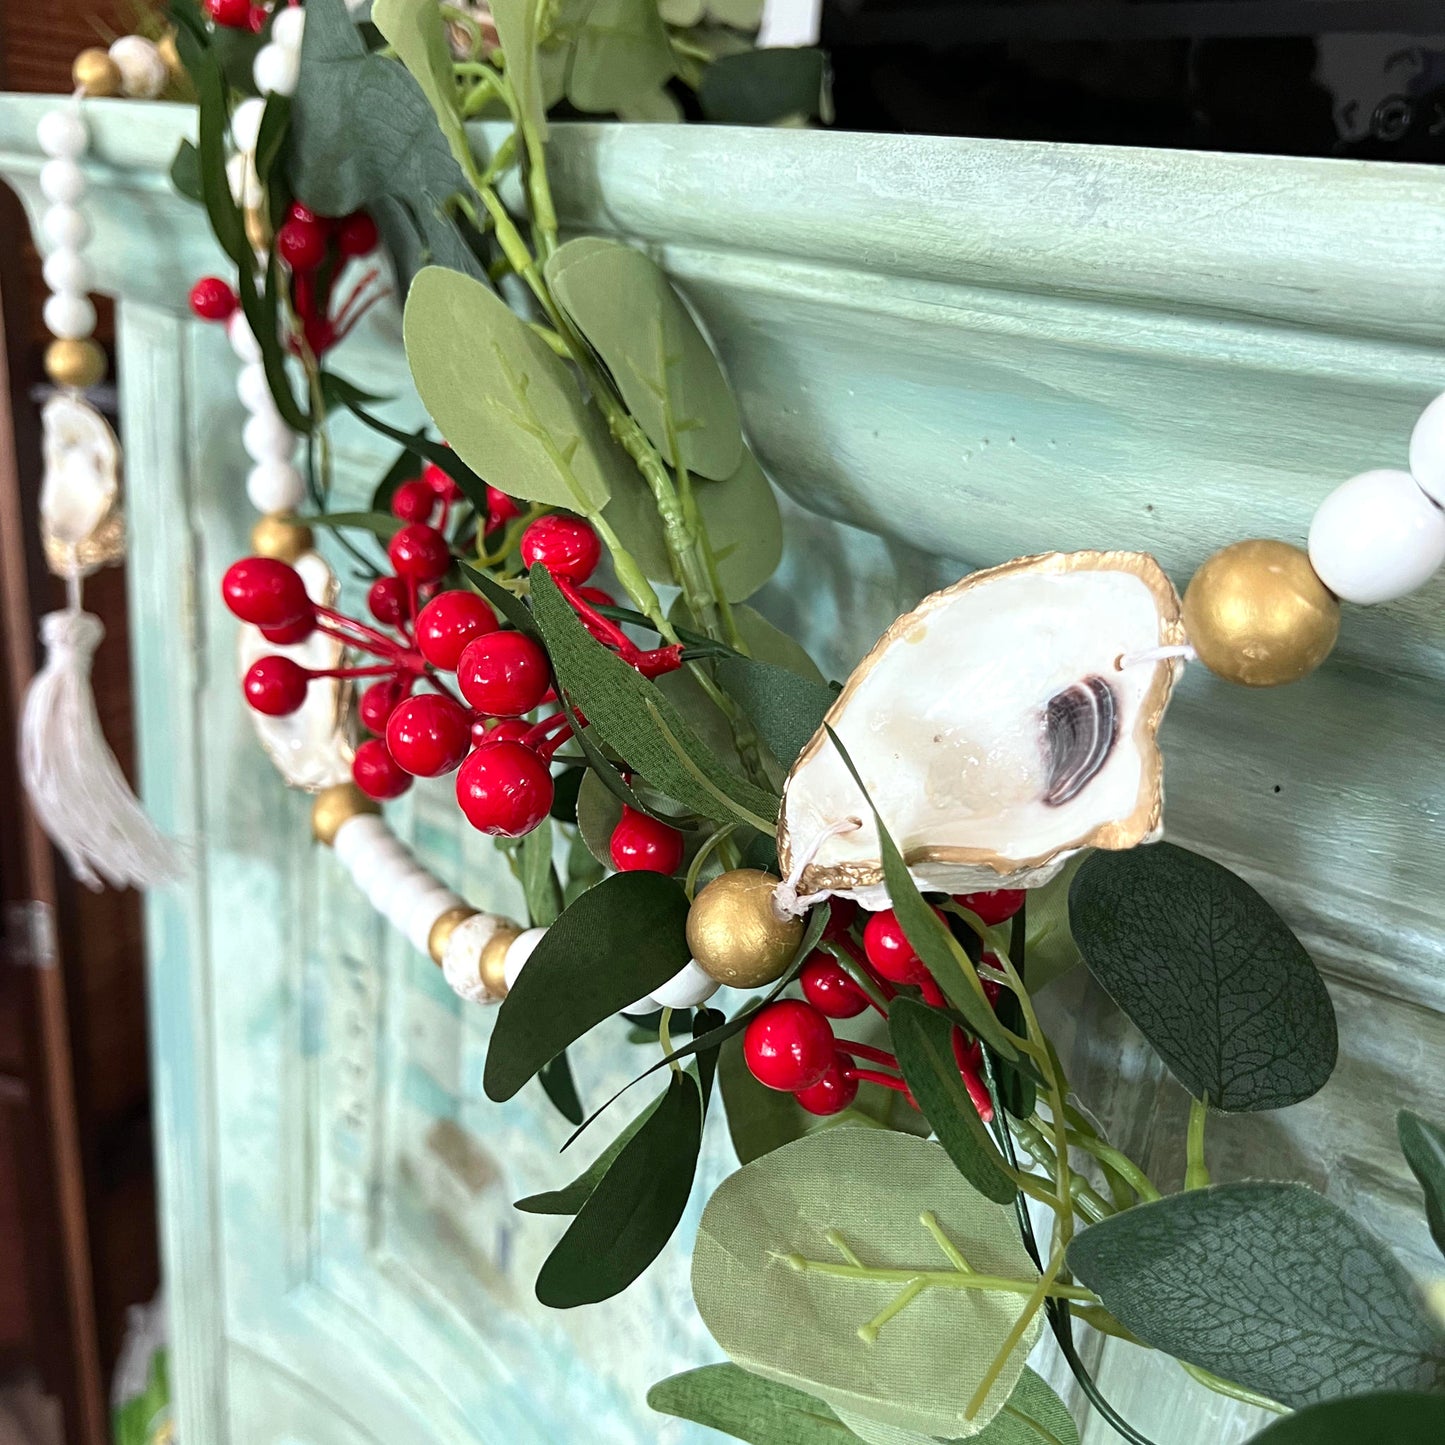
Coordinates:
[71,638]
[787,901]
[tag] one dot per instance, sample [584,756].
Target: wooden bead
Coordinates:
[79,363]
[334,806]
[521,948]
[1257,614]
[443,928]
[735,936]
[1377,537]
[96,73]
[283,538]
[494,961]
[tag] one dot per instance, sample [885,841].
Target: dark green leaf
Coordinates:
[599,811]
[571,1197]
[786,709]
[1423,1144]
[1382,1418]
[227,223]
[928,934]
[1208,972]
[617,942]
[338,391]
[759,87]
[1267,1285]
[406,467]
[263,313]
[273,153]
[1034,1415]
[186,172]
[415,31]
[759,1119]
[473,487]
[565,788]
[748,1407]
[383,524]
[635,1207]
[427,233]
[507,604]
[556,1079]
[539,878]
[921,1039]
[632,716]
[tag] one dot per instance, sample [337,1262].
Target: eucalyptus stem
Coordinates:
[713,842]
[1196,1172]
[1231,1391]
[1044,1289]
[1120,1163]
[935,1278]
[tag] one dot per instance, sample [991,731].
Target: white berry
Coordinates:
[242,338]
[1377,537]
[687,988]
[143,74]
[67,270]
[267,438]
[288,26]
[521,948]
[246,123]
[253,389]
[1427,450]
[65,227]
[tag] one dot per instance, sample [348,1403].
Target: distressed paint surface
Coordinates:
[948,353]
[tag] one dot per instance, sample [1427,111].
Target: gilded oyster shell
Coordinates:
[81,525]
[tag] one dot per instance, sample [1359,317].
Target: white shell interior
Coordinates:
[946,729]
[82,470]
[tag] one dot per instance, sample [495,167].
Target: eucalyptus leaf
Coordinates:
[801,1328]
[608,53]
[422,235]
[1268,1285]
[415,32]
[922,1042]
[1423,1144]
[748,1407]
[1208,972]
[560,1087]
[634,1208]
[786,709]
[617,942]
[1382,1418]
[507,404]
[623,303]
[516,22]
[758,87]
[1049,941]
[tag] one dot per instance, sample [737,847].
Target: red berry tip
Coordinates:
[504,788]
[500,508]
[212,299]
[386,601]
[428,735]
[230,14]
[376,772]
[275,686]
[889,951]
[419,553]
[788,1045]
[414,501]
[565,546]
[441,483]
[834,1092]
[642,844]
[265,592]
[356,235]
[379,701]
[448,623]
[997,906]
[829,989]
[503,674]
[301,244]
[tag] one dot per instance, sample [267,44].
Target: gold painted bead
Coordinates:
[96,73]
[78,363]
[494,956]
[1257,614]
[442,930]
[734,934]
[281,537]
[334,806]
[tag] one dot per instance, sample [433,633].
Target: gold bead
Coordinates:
[1257,614]
[281,537]
[734,934]
[333,806]
[494,956]
[78,363]
[443,928]
[96,73]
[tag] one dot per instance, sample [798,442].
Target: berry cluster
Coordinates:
[790,1044]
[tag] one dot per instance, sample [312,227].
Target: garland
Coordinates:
[919,869]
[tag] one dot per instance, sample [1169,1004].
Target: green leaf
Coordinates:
[420,231]
[631,715]
[617,942]
[740,514]
[186,172]
[612,55]
[786,709]
[227,223]
[507,604]
[571,1197]
[801,1328]
[929,935]
[1423,1144]
[516,22]
[921,1039]
[507,404]
[473,487]
[631,1213]
[625,306]
[759,87]
[1208,972]
[1381,1418]
[748,1407]
[1268,1285]
[414,30]
[1049,943]
[383,524]
[539,878]
[1033,1415]
[556,1080]
[599,811]
[273,153]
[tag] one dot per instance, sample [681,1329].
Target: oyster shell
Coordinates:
[996,731]
[81,527]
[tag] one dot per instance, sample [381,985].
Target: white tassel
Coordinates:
[75,784]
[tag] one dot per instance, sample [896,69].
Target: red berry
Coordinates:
[386,600]
[448,623]
[994,907]
[441,483]
[212,299]
[833,1092]
[428,735]
[376,772]
[565,546]
[290,633]
[643,845]
[413,501]
[232,14]
[379,701]
[829,989]
[505,789]
[788,1045]
[275,686]
[500,508]
[265,592]
[889,950]
[420,553]
[503,674]
[256,20]
[305,214]
[356,234]
[596,596]
[301,244]
[508,730]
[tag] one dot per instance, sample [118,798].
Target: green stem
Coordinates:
[1196,1173]
[1121,1164]
[1044,1289]
[713,842]
[937,1278]
[1231,1391]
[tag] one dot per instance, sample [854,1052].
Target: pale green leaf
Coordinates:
[610,51]
[516,22]
[414,30]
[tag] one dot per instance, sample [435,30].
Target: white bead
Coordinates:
[69,317]
[62,182]
[687,988]
[246,123]
[462,958]
[67,270]
[354,835]
[375,857]
[245,184]
[275,487]
[242,338]
[267,438]
[63,133]
[397,894]
[287,27]
[424,913]
[65,228]
[1427,450]
[253,388]
[521,948]
[276,70]
[1377,537]
[645,1005]
[143,74]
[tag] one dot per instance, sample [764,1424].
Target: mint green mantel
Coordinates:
[948,353]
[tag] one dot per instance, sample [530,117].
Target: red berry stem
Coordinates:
[548,749]
[377,641]
[605,631]
[540,731]
[346,320]
[443,687]
[381,669]
[871,1076]
[867,1051]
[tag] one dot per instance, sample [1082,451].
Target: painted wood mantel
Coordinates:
[948,353]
